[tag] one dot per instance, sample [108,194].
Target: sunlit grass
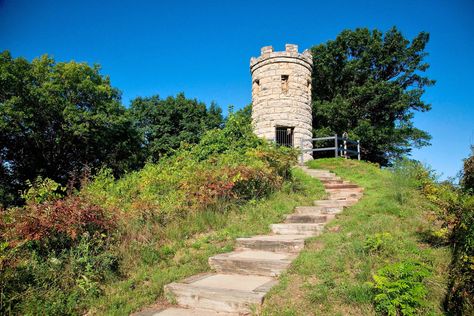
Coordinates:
[192,240]
[330,277]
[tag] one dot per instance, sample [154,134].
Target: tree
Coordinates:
[467,180]
[58,118]
[165,124]
[369,84]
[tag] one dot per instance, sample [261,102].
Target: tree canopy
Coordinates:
[370,84]
[164,124]
[58,119]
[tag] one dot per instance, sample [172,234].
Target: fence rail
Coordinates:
[341,146]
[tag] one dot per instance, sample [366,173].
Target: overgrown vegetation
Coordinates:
[454,214]
[111,247]
[376,257]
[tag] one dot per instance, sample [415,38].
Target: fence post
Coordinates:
[358,150]
[302,152]
[336,145]
[345,148]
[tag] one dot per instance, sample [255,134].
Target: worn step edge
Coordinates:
[179,311]
[307,218]
[224,263]
[318,209]
[293,245]
[335,203]
[297,229]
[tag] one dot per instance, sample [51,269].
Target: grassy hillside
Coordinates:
[382,236]
[186,244]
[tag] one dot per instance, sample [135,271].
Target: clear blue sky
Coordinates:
[203,48]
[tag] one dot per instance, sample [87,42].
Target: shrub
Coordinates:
[42,190]
[377,242]
[468,173]
[53,254]
[460,297]
[399,288]
[59,221]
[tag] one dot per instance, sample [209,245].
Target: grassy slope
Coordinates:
[330,276]
[191,241]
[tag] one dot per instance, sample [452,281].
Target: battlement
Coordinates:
[281,97]
[289,55]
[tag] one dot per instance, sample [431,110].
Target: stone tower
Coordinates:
[281,96]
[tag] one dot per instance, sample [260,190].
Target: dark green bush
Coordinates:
[468,172]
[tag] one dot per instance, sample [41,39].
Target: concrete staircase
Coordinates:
[243,277]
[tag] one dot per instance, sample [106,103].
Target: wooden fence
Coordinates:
[343,147]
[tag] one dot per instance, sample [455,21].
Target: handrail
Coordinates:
[340,149]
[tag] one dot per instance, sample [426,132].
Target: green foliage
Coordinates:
[165,124]
[468,172]
[399,288]
[369,84]
[460,299]
[61,120]
[43,190]
[378,242]
[236,137]
[55,283]
[452,222]
[56,118]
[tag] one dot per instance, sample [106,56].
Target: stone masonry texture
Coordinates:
[281,94]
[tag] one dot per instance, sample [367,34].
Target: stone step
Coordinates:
[306,218]
[276,243]
[321,174]
[331,181]
[345,198]
[328,178]
[297,229]
[230,293]
[318,209]
[341,186]
[309,170]
[335,203]
[350,190]
[354,195]
[249,261]
[175,311]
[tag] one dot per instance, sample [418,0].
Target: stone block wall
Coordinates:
[281,94]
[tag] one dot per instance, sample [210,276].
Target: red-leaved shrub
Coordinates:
[69,217]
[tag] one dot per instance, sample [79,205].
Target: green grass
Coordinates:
[192,240]
[331,276]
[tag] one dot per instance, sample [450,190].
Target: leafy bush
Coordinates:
[59,221]
[54,282]
[377,242]
[42,190]
[53,253]
[460,298]
[468,172]
[399,288]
